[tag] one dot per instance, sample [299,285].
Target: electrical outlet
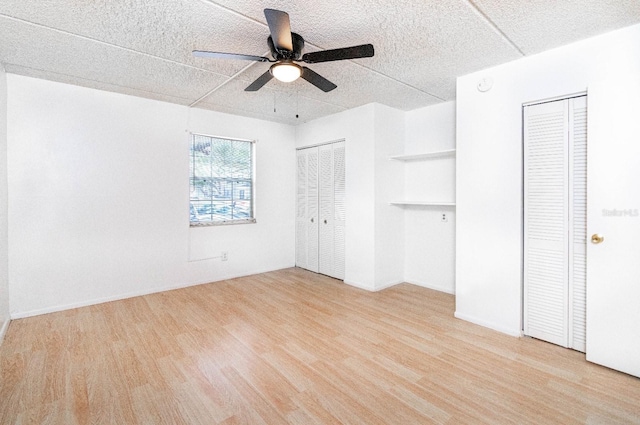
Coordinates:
[224,256]
[444,218]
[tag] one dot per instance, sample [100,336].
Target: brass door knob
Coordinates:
[596,238]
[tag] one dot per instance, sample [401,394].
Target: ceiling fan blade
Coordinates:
[280,29]
[317,80]
[261,81]
[220,55]
[355,52]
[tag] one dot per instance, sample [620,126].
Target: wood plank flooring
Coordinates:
[293,347]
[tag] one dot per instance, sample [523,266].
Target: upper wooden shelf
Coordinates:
[426,155]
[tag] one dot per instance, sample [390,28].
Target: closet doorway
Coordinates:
[555,224]
[320,210]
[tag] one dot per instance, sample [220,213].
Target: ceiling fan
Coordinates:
[286,48]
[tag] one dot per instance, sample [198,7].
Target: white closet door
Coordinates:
[555,221]
[312,210]
[302,245]
[307,210]
[320,217]
[339,209]
[578,217]
[326,210]
[546,222]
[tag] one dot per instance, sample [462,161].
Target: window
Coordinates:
[221,181]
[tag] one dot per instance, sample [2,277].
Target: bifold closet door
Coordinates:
[339,210]
[307,210]
[555,222]
[320,217]
[332,209]
[578,221]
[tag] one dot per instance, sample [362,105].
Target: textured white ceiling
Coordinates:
[143,47]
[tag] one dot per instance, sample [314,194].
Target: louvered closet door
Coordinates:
[326,210]
[313,218]
[301,211]
[546,222]
[578,219]
[339,209]
[307,210]
[555,222]
[320,218]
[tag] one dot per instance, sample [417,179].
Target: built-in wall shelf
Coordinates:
[424,203]
[426,155]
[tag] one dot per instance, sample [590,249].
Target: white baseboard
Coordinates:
[394,283]
[94,301]
[388,285]
[359,285]
[369,288]
[3,330]
[430,286]
[490,325]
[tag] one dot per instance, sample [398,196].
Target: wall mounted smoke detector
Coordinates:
[485,84]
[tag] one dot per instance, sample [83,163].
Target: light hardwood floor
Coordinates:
[294,347]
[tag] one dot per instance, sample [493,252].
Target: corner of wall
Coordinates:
[487,324]
[388,187]
[4,241]
[4,328]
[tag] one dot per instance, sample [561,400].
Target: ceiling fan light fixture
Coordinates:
[286,71]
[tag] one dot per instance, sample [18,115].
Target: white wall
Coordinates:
[98,197]
[356,127]
[250,247]
[430,243]
[389,186]
[489,166]
[4,251]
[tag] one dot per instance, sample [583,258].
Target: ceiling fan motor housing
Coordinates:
[298,46]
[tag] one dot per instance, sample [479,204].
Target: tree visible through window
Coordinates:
[221,181]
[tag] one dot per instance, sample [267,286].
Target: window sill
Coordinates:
[221,223]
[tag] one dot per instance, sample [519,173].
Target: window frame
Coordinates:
[250,220]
